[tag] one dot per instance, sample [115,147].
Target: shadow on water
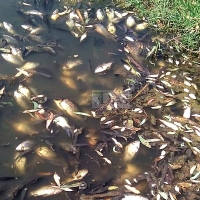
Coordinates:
[72,69]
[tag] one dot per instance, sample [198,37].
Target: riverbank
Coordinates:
[178,20]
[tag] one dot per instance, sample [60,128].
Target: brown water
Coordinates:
[72,78]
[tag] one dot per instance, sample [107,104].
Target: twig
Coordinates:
[79,15]
[104,105]
[188,49]
[131,59]
[23,193]
[182,46]
[175,38]
[147,84]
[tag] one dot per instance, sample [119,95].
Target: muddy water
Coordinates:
[73,78]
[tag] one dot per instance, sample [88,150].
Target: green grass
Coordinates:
[177,18]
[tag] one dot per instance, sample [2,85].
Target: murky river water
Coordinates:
[73,77]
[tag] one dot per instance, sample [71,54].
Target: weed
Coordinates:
[180,18]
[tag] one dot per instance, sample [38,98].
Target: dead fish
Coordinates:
[54,44]
[48,49]
[38,30]
[30,49]
[141,26]
[63,122]
[27,27]
[100,15]
[25,91]
[81,174]
[110,14]
[21,154]
[131,150]
[29,65]
[9,27]
[34,12]
[21,99]
[34,38]
[41,98]
[24,72]
[76,183]
[24,146]
[121,14]
[99,28]
[11,40]
[130,21]
[12,59]
[56,14]
[66,105]
[46,191]
[111,28]
[18,52]
[38,49]
[103,67]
